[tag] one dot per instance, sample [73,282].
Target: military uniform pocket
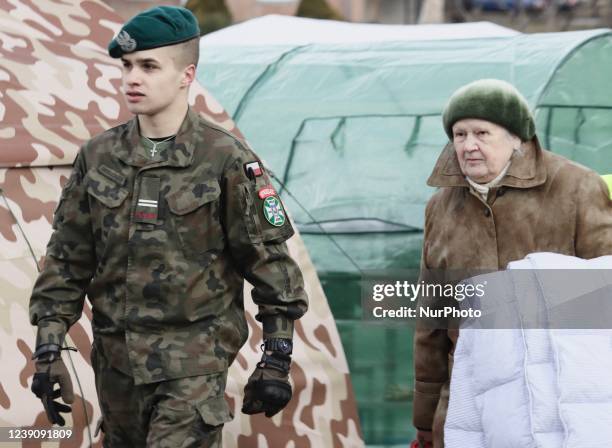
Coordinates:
[105,197]
[108,192]
[195,213]
[215,411]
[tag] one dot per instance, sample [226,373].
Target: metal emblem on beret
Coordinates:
[126,42]
[273,211]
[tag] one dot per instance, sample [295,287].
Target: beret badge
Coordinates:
[126,42]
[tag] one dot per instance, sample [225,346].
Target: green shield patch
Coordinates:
[273,211]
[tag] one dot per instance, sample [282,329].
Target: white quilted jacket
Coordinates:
[541,384]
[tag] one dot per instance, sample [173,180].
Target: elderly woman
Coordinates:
[501,197]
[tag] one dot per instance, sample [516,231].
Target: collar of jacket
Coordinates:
[132,152]
[526,170]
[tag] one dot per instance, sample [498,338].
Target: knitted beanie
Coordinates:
[493,100]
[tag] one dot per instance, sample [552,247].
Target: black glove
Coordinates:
[50,369]
[268,389]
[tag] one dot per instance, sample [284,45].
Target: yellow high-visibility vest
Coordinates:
[608,179]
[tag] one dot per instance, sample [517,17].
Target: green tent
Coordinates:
[353,129]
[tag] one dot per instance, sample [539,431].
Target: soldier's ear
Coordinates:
[188,75]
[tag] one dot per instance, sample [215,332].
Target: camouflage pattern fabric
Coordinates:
[186,412]
[161,249]
[59,89]
[62,91]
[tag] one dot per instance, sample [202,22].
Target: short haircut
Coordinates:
[186,53]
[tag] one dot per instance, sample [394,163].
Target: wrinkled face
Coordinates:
[151,81]
[483,148]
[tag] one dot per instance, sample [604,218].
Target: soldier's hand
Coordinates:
[51,370]
[268,389]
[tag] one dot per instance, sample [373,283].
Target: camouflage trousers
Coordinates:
[181,413]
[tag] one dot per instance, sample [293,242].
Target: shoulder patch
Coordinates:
[266,191]
[253,169]
[273,211]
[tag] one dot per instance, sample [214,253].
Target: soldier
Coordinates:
[159,224]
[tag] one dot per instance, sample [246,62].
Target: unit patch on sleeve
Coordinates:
[273,211]
[266,191]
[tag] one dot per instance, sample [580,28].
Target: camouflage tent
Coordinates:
[57,88]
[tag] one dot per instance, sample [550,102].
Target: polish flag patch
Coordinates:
[253,169]
[266,192]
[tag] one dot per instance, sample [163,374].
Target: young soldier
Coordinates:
[160,223]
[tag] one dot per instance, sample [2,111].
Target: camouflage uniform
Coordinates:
[161,248]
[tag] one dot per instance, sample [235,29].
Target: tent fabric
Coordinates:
[58,88]
[351,125]
[274,29]
[353,129]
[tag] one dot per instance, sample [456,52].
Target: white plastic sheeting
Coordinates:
[287,30]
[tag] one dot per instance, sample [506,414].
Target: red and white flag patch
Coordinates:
[253,169]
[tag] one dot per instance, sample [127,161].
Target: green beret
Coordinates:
[493,100]
[153,28]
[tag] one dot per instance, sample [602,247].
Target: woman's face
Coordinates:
[483,148]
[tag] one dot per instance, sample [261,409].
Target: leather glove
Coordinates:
[268,389]
[50,369]
[424,439]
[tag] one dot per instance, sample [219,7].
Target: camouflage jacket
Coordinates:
[161,249]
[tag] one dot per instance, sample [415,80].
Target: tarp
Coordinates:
[287,30]
[354,129]
[348,116]
[57,89]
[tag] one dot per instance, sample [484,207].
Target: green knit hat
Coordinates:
[493,100]
[153,28]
